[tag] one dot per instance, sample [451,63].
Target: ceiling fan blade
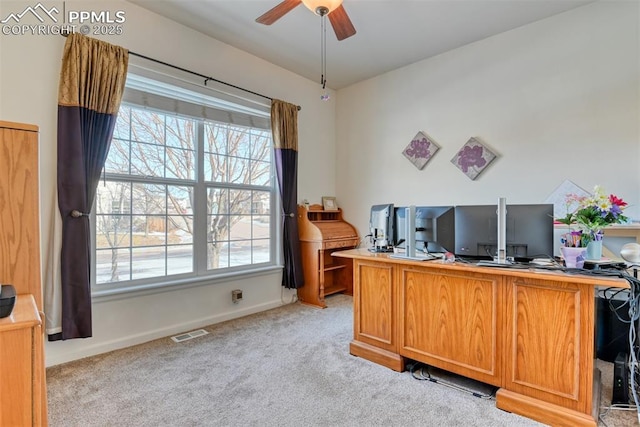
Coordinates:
[277,12]
[341,23]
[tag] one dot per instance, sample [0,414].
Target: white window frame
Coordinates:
[200,97]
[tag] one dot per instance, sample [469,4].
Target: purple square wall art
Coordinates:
[420,150]
[473,158]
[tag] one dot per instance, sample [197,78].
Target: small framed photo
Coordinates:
[329,203]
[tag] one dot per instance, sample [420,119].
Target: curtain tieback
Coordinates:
[77,214]
[290,215]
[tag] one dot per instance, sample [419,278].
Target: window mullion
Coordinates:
[166,200]
[200,207]
[147,179]
[275,245]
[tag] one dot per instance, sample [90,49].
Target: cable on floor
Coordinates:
[420,371]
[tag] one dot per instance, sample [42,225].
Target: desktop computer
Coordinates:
[612,328]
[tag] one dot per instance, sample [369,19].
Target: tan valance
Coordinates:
[84,84]
[284,125]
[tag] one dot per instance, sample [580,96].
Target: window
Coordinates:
[183,195]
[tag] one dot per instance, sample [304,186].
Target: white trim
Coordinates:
[126,292]
[200,275]
[130,340]
[154,86]
[188,81]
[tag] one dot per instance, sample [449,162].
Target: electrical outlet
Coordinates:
[236,295]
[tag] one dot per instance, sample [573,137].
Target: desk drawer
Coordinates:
[335,244]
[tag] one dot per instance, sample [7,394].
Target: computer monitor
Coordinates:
[381,223]
[435,228]
[529,231]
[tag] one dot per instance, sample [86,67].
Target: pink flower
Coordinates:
[617,201]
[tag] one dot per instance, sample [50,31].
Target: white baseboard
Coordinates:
[55,356]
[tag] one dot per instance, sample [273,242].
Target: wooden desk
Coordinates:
[528,332]
[321,233]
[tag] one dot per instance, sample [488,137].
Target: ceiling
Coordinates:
[390,33]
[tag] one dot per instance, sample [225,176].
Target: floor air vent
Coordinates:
[189,335]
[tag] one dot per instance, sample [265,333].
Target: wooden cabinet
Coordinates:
[321,233]
[22,373]
[19,209]
[528,332]
[20,266]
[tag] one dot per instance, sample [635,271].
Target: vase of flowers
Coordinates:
[594,250]
[573,257]
[588,218]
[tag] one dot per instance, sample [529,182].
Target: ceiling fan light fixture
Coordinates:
[322,7]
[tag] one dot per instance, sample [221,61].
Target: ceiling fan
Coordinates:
[333,9]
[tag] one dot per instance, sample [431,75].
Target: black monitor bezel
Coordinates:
[533,239]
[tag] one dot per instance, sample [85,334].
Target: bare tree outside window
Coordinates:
[114,230]
[145,206]
[233,156]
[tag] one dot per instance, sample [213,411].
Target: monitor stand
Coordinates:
[494,263]
[416,257]
[380,249]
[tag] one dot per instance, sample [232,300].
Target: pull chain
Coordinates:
[323,57]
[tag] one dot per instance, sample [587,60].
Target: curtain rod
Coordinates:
[207,78]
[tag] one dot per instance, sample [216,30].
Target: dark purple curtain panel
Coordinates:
[91,85]
[284,126]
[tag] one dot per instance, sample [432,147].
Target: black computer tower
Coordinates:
[620,394]
[612,332]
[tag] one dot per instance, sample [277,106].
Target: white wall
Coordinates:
[29,72]
[557,99]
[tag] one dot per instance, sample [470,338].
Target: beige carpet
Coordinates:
[285,367]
